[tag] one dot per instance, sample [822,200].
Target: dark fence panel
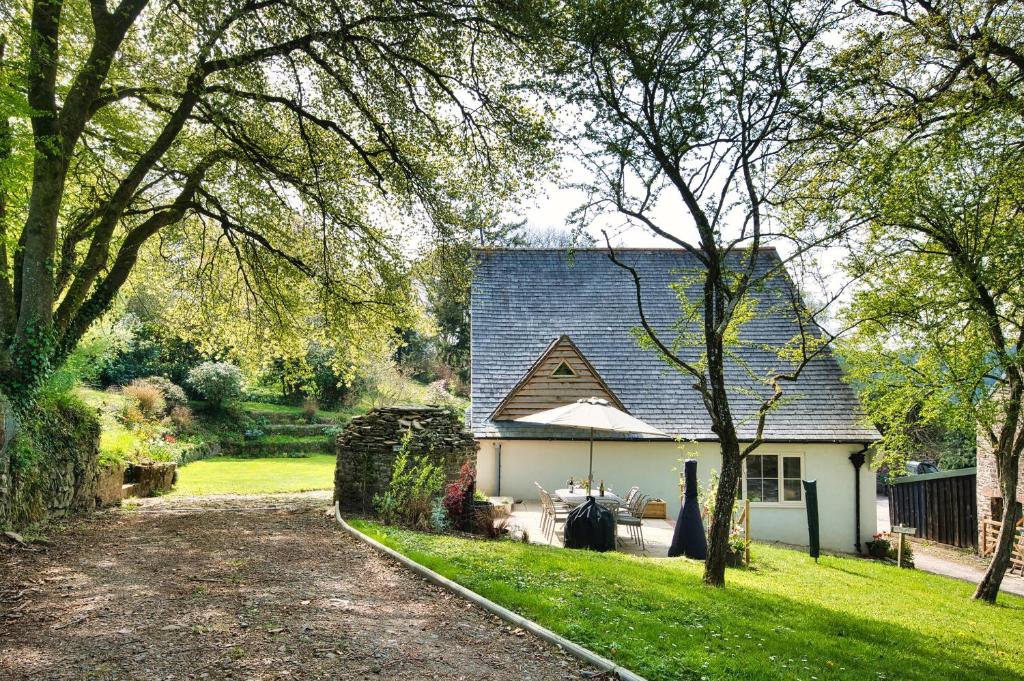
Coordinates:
[942,506]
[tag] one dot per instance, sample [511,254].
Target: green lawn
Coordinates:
[786,618]
[290,439]
[297,411]
[229,475]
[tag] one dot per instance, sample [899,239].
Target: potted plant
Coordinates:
[879,546]
[737,550]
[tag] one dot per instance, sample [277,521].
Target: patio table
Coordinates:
[579,496]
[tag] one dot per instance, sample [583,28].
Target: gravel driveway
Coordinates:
[243,588]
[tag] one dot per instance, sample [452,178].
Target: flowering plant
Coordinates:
[456,494]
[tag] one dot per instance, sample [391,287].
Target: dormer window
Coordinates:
[563,370]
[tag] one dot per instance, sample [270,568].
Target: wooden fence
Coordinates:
[942,506]
[990,536]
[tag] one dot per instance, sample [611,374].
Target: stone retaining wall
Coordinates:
[109,481]
[49,469]
[145,479]
[366,450]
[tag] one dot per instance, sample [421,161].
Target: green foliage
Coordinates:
[31,352]
[91,357]
[790,618]
[283,216]
[149,348]
[941,301]
[919,157]
[415,485]
[128,434]
[219,382]
[317,374]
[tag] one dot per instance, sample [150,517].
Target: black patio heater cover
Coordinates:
[811,494]
[688,538]
[590,526]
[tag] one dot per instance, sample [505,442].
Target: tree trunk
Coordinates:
[36,302]
[988,588]
[721,520]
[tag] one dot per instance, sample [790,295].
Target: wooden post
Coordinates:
[746,532]
[901,531]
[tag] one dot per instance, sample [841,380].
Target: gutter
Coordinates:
[483,437]
[576,650]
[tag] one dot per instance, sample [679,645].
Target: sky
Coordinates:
[551,205]
[556,199]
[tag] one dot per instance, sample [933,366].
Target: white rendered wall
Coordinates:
[655,466]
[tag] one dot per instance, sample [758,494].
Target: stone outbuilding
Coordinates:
[990,497]
[367,448]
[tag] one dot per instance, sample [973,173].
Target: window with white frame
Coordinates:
[773,478]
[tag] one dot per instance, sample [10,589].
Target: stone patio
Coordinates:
[657,533]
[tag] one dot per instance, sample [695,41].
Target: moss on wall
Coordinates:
[49,468]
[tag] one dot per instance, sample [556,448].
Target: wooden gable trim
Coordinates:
[533,372]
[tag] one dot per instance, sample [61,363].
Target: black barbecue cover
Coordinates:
[590,526]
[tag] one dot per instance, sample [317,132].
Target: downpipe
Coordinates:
[857,459]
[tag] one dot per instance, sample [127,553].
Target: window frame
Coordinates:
[781,478]
[572,372]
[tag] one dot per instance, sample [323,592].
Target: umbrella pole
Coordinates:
[590,475]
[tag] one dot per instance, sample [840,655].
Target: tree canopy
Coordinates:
[283,156]
[919,147]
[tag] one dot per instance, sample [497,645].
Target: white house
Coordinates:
[550,327]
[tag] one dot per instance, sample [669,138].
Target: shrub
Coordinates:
[148,398]
[173,394]
[486,521]
[181,418]
[458,493]
[415,484]
[439,520]
[884,545]
[132,416]
[309,409]
[219,382]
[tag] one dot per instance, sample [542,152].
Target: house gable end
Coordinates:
[561,375]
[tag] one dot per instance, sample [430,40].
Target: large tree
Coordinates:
[269,147]
[921,144]
[692,105]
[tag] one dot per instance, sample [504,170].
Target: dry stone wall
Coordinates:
[366,450]
[50,468]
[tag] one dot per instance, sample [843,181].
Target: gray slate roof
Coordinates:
[523,299]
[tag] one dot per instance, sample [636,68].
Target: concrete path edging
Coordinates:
[573,649]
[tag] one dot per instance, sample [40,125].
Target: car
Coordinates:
[921,467]
[913,468]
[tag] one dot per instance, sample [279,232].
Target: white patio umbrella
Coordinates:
[593,413]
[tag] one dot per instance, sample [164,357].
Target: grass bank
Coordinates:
[230,475]
[787,618]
